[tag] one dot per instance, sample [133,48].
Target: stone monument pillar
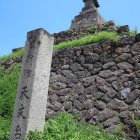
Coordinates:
[31,99]
[89,15]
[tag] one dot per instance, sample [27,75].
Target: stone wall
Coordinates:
[99,83]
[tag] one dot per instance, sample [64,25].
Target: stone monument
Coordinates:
[31,99]
[89,15]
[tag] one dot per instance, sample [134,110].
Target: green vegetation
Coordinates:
[136,121]
[13,55]
[89,39]
[65,127]
[8,88]
[102,36]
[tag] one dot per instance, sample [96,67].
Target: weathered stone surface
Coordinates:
[97,95]
[109,96]
[118,72]
[133,96]
[105,57]
[126,49]
[123,58]
[123,29]
[31,100]
[90,113]
[137,66]
[79,89]
[124,115]
[59,85]
[111,122]
[68,105]
[129,40]
[135,49]
[92,58]
[57,78]
[137,37]
[88,104]
[65,67]
[75,67]
[112,129]
[53,98]
[117,105]
[111,79]
[105,114]
[82,98]
[124,93]
[89,67]
[88,50]
[106,74]
[63,92]
[78,105]
[125,66]
[90,89]
[81,74]
[57,106]
[108,65]
[67,73]
[89,81]
[100,105]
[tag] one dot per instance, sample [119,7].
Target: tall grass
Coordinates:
[12,55]
[66,127]
[8,88]
[90,39]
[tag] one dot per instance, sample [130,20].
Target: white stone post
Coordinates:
[31,99]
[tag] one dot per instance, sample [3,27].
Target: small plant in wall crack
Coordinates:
[136,122]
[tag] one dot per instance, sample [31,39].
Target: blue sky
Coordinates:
[20,16]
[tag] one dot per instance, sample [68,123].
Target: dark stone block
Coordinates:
[117,105]
[90,113]
[137,37]
[133,96]
[57,106]
[123,29]
[111,122]
[78,105]
[100,105]
[135,49]
[105,114]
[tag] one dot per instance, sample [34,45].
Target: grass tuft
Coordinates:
[66,127]
[13,55]
[90,39]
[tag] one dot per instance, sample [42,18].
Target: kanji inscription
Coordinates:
[24,93]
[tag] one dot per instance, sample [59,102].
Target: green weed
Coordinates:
[90,39]
[8,88]
[65,127]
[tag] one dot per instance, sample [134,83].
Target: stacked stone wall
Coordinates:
[99,83]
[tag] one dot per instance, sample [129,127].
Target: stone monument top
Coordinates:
[89,3]
[88,16]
